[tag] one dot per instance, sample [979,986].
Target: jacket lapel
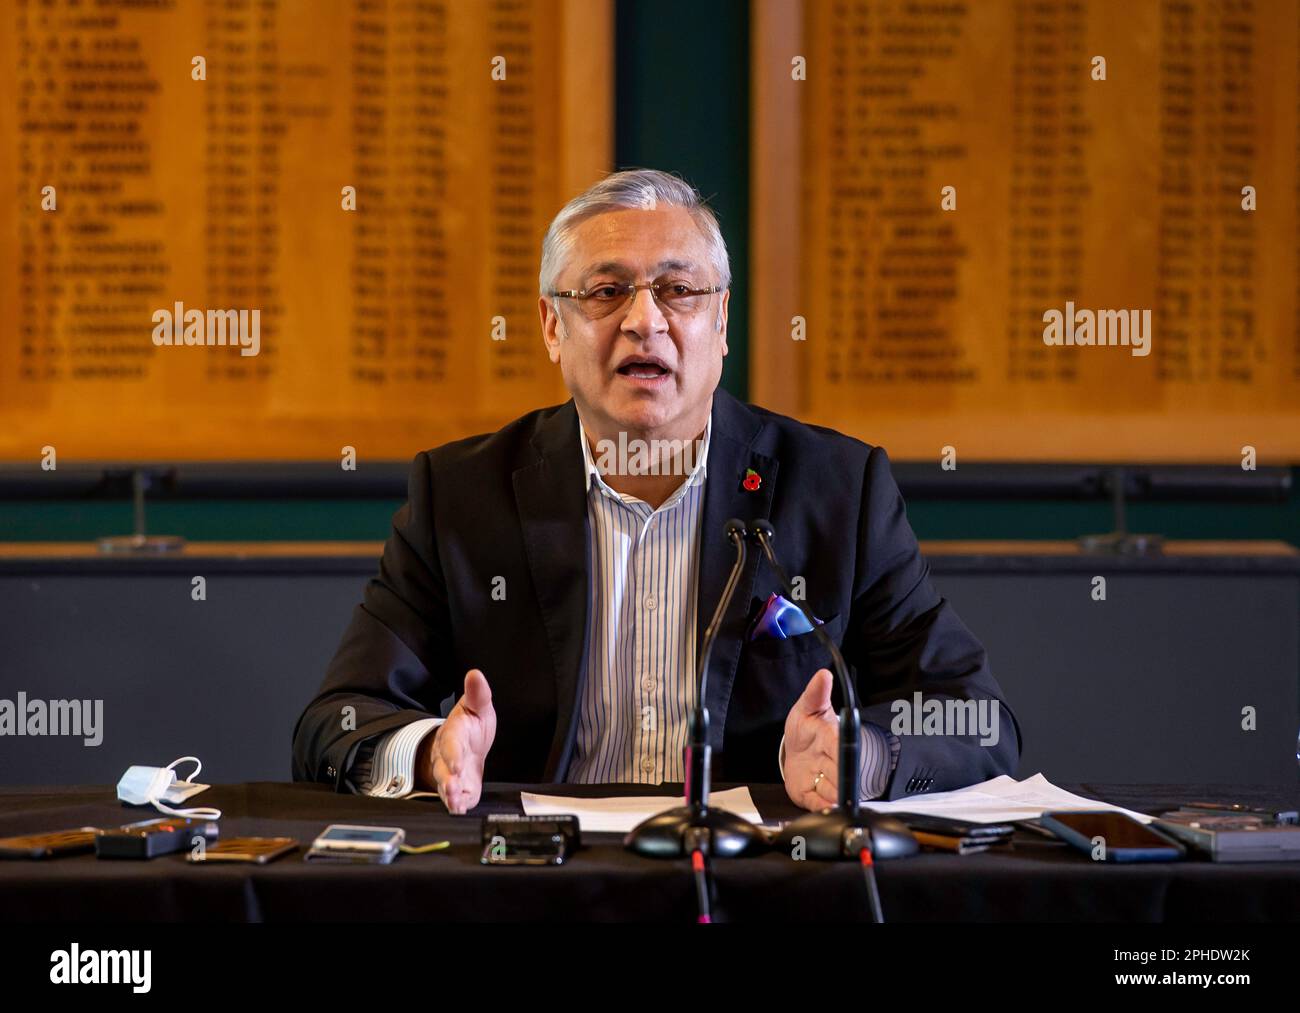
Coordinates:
[551,499]
[731,455]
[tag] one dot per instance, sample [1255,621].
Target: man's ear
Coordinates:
[722,319]
[553,331]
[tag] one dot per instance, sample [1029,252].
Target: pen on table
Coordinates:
[1279,816]
[958,845]
[424,849]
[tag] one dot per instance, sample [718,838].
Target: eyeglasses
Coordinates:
[673,297]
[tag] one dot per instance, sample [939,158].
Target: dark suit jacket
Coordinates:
[513,505]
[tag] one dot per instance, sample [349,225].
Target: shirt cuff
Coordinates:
[880,749]
[386,768]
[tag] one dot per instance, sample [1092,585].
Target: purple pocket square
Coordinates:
[780,620]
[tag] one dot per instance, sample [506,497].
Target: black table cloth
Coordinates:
[1036,880]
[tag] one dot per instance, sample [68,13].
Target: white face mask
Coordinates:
[154,785]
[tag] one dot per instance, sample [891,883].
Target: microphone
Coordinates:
[846,830]
[695,828]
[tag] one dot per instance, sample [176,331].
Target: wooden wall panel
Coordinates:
[925,326]
[376,325]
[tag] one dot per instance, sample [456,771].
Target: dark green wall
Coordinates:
[261,520]
[682,83]
[212,520]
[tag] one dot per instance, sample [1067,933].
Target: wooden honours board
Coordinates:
[463,127]
[924,327]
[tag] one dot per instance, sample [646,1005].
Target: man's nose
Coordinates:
[644,315]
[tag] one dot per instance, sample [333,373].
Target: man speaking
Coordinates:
[557,575]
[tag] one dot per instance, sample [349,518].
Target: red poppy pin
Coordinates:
[752,480]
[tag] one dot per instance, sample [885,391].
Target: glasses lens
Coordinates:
[605,299]
[682,299]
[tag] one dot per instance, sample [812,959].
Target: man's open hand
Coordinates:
[812,731]
[451,759]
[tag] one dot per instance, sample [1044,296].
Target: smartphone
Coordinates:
[950,827]
[54,844]
[345,842]
[1125,839]
[246,849]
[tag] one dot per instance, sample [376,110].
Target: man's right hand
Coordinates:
[451,759]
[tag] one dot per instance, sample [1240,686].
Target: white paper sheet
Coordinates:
[620,814]
[998,801]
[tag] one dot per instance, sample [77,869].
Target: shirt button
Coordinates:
[648,764]
[651,602]
[330,772]
[648,683]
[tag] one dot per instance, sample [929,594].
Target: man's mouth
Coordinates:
[648,368]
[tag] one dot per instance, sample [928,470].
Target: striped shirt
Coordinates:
[639,688]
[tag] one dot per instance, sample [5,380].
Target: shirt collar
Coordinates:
[695,477]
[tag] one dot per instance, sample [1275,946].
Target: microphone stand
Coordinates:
[694,829]
[846,830]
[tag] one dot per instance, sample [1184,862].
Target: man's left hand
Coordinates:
[812,731]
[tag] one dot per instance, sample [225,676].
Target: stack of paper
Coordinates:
[998,801]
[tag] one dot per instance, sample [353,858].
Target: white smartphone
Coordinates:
[343,842]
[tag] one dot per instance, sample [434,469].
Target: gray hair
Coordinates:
[631,189]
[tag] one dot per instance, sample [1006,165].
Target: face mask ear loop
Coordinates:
[198,767]
[202,813]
